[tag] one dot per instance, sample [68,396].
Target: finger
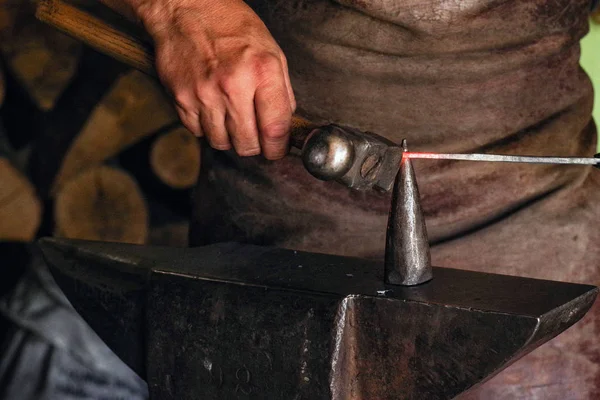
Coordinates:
[273,115]
[190,120]
[240,123]
[212,121]
[240,118]
[288,84]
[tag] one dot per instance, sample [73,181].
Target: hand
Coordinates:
[227,74]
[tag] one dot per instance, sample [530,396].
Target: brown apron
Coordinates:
[499,76]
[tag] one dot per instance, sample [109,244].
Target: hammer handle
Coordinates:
[118,38]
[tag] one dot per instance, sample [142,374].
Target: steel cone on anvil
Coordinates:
[407,253]
[230,321]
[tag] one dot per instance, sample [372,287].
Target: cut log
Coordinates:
[41,58]
[175,158]
[102,203]
[20,208]
[56,132]
[135,107]
[136,161]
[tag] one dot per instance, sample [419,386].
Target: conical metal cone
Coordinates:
[407,254]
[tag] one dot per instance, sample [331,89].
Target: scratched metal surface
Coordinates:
[222,341]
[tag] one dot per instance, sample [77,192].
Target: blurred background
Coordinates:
[88,147]
[590,60]
[92,149]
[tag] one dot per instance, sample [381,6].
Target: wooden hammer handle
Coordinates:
[118,38]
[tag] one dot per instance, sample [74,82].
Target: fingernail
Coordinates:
[221,147]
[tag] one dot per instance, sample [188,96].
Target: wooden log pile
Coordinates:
[89,149]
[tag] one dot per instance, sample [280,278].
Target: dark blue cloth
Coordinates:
[49,352]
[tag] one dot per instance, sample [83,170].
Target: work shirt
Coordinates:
[498,76]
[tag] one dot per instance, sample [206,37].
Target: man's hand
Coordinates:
[227,74]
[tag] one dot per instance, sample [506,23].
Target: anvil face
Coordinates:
[233,321]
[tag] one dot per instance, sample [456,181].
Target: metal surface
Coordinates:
[231,321]
[328,153]
[407,254]
[507,158]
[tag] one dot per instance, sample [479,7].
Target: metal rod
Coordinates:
[505,158]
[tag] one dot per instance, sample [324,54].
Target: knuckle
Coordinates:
[276,130]
[266,64]
[283,59]
[232,82]
[203,91]
[183,100]
[217,139]
[211,118]
[246,145]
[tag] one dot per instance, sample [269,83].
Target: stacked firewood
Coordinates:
[88,148]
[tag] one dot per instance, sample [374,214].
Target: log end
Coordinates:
[20,207]
[175,158]
[102,203]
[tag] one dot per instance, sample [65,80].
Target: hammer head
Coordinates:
[359,160]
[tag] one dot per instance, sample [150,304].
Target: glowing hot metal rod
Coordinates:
[507,158]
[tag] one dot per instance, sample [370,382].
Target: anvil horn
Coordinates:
[229,320]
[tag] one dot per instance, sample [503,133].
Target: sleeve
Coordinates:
[49,352]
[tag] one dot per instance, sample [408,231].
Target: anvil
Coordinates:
[233,321]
